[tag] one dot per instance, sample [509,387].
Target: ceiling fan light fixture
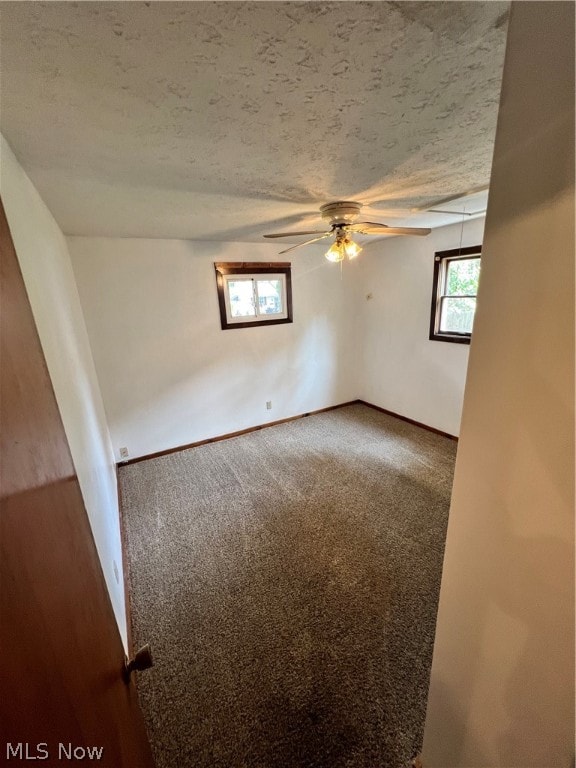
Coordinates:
[336,252]
[343,247]
[342,216]
[352,249]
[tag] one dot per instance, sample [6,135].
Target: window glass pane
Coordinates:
[241,295]
[269,297]
[462,276]
[457,315]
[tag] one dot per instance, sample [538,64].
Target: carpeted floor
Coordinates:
[288,582]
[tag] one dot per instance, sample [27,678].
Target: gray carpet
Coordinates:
[288,583]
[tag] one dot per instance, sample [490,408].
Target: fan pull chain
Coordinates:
[462,230]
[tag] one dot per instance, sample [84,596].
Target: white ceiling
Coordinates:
[226,120]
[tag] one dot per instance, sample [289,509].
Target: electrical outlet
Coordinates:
[124,453]
[268,405]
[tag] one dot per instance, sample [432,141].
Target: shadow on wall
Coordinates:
[522,654]
[516,604]
[453,717]
[512,599]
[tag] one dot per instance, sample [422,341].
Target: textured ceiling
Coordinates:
[225,120]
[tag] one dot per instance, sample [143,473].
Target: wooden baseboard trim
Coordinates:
[256,428]
[125,571]
[233,434]
[410,421]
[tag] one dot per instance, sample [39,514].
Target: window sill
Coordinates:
[453,338]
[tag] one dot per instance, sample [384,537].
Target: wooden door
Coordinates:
[61,689]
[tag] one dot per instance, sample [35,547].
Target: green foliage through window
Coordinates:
[463,276]
[456,278]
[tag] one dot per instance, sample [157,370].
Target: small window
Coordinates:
[456,275]
[254,293]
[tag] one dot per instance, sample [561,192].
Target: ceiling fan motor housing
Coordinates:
[341,212]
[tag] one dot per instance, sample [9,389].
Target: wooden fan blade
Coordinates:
[307,242]
[420,231]
[361,226]
[297,234]
[371,228]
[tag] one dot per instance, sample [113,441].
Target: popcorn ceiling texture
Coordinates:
[209,120]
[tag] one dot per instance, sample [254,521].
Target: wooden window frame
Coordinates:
[441,259]
[243,268]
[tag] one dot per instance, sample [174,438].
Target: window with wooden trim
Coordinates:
[254,293]
[455,286]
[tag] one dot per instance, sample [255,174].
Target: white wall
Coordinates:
[171,376]
[402,370]
[43,255]
[502,685]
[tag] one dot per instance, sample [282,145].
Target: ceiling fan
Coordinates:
[342,216]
